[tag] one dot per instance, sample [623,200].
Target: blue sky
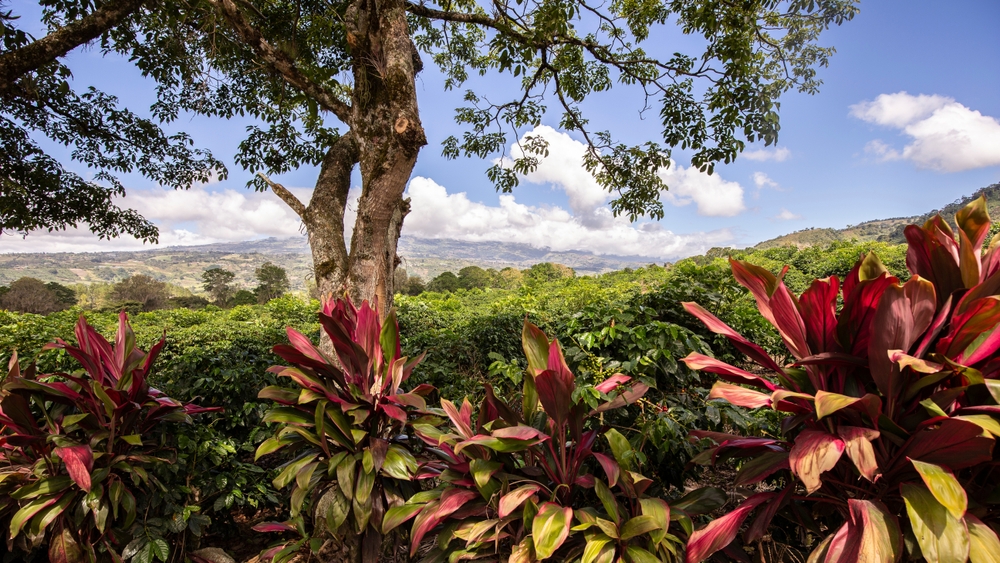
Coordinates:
[908,119]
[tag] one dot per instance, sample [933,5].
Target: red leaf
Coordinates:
[450,501]
[789,323]
[273,527]
[79,462]
[721,531]
[955,444]
[610,466]
[394,412]
[855,323]
[462,422]
[818,305]
[739,396]
[514,499]
[519,432]
[555,386]
[734,374]
[612,383]
[903,314]
[814,452]
[753,351]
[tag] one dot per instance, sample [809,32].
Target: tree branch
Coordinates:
[15,64]
[285,195]
[281,62]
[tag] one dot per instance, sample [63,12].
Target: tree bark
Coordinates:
[387,124]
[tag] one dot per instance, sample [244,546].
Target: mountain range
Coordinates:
[183,265]
[884,230]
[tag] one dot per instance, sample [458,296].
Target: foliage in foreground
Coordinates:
[79,477]
[343,424]
[526,483]
[902,379]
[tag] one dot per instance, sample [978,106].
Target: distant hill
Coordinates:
[183,265]
[883,230]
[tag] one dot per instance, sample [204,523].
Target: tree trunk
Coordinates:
[387,125]
[384,140]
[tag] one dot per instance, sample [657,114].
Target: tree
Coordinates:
[64,295]
[548,271]
[445,281]
[272,282]
[218,283]
[333,84]
[29,295]
[149,293]
[414,286]
[36,191]
[509,278]
[243,297]
[473,277]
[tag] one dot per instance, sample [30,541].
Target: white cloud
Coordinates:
[786,215]
[946,135]
[185,217]
[588,224]
[780,154]
[714,196]
[435,213]
[762,180]
[202,216]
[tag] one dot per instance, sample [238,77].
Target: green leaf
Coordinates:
[346,475]
[42,487]
[942,537]
[483,470]
[701,501]
[399,463]
[536,349]
[133,439]
[333,508]
[291,470]
[389,338]
[607,499]
[984,421]
[397,515]
[550,528]
[599,549]
[620,447]
[636,554]
[48,514]
[268,446]
[28,511]
[638,526]
[944,486]
[160,549]
[984,545]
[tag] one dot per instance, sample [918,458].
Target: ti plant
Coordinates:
[888,449]
[77,450]
[345,426]
[524,484]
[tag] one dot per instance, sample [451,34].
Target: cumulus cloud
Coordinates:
[435,213]
[786,215]
[185,217]
[946,135]
[713,196]
[208,215]
[763,155]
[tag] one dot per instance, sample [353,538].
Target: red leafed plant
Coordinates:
[523,487]
[75,450]
[344,426]
[888,449]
